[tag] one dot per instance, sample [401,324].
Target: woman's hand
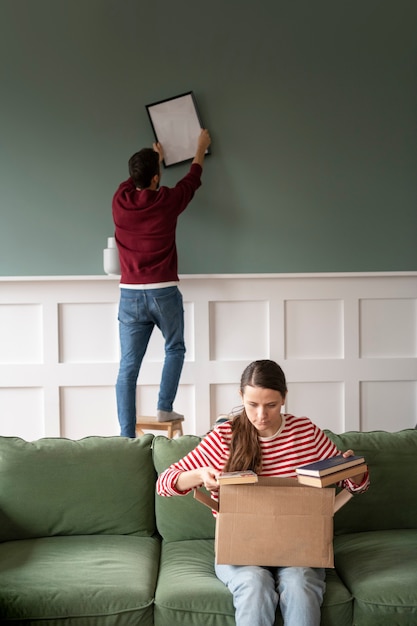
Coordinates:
[209,476]
[358,479]
[202,477]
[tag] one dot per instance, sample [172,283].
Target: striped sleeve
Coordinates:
[212,451]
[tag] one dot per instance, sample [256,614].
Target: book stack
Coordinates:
[330,471]
[237,478]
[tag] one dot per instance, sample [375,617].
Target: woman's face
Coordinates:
[263,408]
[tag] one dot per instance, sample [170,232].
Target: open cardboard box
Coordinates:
[275,521]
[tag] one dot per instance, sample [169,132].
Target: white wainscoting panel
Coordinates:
[238,330]
[84,335]
[21,333]
[388,328]
[347,343]
[22,412]
[314,329]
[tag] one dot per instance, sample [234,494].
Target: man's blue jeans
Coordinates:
[140,310]
[258,590]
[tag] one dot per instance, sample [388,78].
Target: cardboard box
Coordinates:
[275,521]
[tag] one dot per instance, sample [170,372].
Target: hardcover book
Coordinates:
[333,478]
[328,466]
[236,478]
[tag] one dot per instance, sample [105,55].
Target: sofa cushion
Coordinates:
[337,607]
[190,594]
[79,580]
[380,569]
[179,518]
[392,462]
[62,487]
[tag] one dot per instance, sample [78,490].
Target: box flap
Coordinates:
[204,498]
[341,499]
[321,505]
[279,496]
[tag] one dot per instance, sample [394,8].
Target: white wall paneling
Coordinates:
[347,343]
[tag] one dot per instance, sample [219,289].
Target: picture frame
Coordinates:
[176,124]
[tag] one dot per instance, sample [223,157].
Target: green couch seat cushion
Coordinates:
[380,569]
[96,485]
[189,592]
[83,580]
[337,608]
[179,518]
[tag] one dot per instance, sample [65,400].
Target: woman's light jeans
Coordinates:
[140,310]
[257,591]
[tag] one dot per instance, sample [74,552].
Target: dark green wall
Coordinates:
[311,106]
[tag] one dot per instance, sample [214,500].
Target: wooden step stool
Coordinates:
[151,423]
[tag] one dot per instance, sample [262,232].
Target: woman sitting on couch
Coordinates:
[263,439]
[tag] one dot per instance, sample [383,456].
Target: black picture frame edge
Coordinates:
[181,95]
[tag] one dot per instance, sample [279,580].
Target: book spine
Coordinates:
[331,479]
[347,473]
[331,469]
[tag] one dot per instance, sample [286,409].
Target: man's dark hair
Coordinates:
[143,166]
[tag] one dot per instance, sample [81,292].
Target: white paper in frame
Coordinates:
[176,124]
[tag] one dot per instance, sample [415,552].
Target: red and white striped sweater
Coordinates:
[297,442]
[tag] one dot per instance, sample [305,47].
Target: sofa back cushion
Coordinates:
[179,518]
[390,501]
[97,485]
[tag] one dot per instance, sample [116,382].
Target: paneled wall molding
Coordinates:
[346,341]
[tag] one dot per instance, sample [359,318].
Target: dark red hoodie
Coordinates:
[146,223]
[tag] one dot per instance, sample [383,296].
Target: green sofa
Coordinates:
[84,540]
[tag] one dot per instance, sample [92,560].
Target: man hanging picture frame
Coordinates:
[176,124]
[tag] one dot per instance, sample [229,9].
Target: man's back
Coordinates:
[145,222]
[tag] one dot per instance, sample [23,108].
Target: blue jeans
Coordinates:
[140,310]
[258,590]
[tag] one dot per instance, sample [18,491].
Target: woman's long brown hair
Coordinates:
[245,449]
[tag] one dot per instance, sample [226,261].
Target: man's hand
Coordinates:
[203,142]
[204,139]
[158,148]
